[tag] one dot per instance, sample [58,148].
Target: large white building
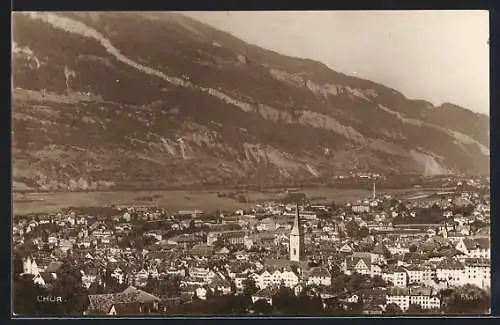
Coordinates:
[452,272]
[422,296]
[276,278]
[396,275]
[478,272]
[419,274]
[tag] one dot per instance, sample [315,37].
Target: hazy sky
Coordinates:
[439,56]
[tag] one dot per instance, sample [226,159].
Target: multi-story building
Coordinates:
[400,297]
[478,272]
[418,274]
[425,297]
[235,237]
[451,271]
[264,280]
[276,278]
[360,208]
[396,275]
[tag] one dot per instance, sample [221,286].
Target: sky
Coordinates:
[439,56]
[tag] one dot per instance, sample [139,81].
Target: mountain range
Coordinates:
[159,100]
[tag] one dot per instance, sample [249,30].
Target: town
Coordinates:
[382,255]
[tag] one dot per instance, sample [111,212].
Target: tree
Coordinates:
[315,306]
[209,293]
[239,304]
[363,232]
[152,284]
[339,283]
[262,307]
[467,299]
[307,304]
[352,229]
[284,300]
[413,248]
[249,287]
[392,309]
[378,282]
[18,268]
[69,286]
[355,308]
[414,309]
[173,284]
[95,289]
[233,288]
[24,292]
[355,282]
[333,307]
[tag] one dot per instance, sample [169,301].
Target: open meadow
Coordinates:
[173,201]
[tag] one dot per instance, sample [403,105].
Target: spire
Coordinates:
[296,239]
[297,229]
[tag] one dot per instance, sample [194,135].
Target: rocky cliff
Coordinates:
[126,100]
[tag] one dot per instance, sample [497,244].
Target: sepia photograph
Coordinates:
[250,164]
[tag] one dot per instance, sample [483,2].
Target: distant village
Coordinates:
[377,256]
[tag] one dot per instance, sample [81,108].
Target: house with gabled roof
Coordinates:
[102,303]
[266,294]
[44,279]
[474,248]
[221,285]
[264,280]
[346,248]
[30,266]
[125,309]
[352,264]
[319,276]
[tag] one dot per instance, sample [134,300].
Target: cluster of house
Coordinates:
[272,245]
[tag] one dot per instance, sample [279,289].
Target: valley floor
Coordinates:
[176,200]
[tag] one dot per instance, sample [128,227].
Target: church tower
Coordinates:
[297,240]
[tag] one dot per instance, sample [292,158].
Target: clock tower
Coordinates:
[297,240]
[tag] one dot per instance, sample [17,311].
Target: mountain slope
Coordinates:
[108,100]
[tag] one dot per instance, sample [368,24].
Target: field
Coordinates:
[172,201]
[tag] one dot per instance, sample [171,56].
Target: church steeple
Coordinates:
[297,239]
[297,227]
